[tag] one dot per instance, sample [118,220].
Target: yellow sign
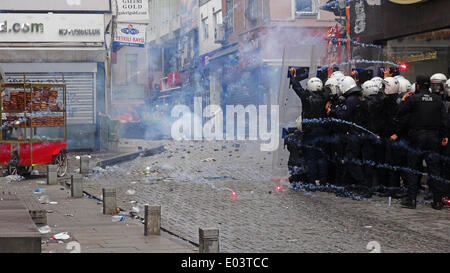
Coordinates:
[406,2]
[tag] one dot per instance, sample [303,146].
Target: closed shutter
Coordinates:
[80,92]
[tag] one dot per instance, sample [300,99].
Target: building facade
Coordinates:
[41,41]
[414,33]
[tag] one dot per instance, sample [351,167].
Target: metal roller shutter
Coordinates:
[80,93]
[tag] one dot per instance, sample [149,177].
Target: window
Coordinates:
[131,68]
[229,15]
[217,22]
[205,28]
[305,7]
[252,11]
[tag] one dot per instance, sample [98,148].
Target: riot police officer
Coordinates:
[425,116]
[351,110]
[314,100]
[372,148]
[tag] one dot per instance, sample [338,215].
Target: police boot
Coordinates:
[437,202]
[408,203]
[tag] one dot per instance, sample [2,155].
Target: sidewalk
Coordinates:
[84,221]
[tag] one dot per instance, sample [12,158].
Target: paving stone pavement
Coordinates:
[194,182]
[84,221]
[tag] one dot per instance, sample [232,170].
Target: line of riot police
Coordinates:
[372,138]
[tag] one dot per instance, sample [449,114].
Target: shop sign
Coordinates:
[22,27]
[130,35]
[132,11]
[55,5]
[407,2]
[422,57]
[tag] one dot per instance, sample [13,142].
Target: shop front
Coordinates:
[55,48]
[415,34]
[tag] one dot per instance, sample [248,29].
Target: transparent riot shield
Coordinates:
[307,58]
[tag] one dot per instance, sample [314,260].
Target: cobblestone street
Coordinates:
[194,183]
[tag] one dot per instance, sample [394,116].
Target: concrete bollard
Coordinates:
[152,220]
[76,186]
[109,201]
[208,240]
[84,164]
[39,216]
[52,175]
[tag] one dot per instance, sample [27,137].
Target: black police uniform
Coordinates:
[373,147]
[351,110]
[395,156]
[315,135]
[425,115]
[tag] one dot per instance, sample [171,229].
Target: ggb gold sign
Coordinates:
[406,2]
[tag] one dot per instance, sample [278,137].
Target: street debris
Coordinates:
[98,170]
[118,218]
[61,236]
[69,215]
[40,182]
[130,192]
[39,191]
[209,160]
[35,172]
[14,178]
[44,229]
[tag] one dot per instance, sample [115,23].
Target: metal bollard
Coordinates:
[208,240]
[84,165]
[109,201]
[76,186]
[52,175]
[152,220]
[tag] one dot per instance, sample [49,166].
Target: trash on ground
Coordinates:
[14,178]
[45,229]
[77,157]
[39,191]
[61,236]
[208,160]
[135,209]
[68,214]
[44,199]
[49,211]
[368,226]
[130,192]
[40,182]
[53,203]
[35,172]
[118,218]
[98,170]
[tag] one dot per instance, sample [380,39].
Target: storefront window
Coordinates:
[424,54]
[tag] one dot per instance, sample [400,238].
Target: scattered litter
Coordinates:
[117,218]
[135,209]
[53,203]
[77,157]
[44,199]
[39,191]
[61,236]
[14,178]
[134,182]
[40,182]
[147,170]
[99,202]
[208,160]
[45,229]
[130,192]
[35,172]
[49,211]
[132,202]
[68,214]
[98,170]
[368,226]
[195,249]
